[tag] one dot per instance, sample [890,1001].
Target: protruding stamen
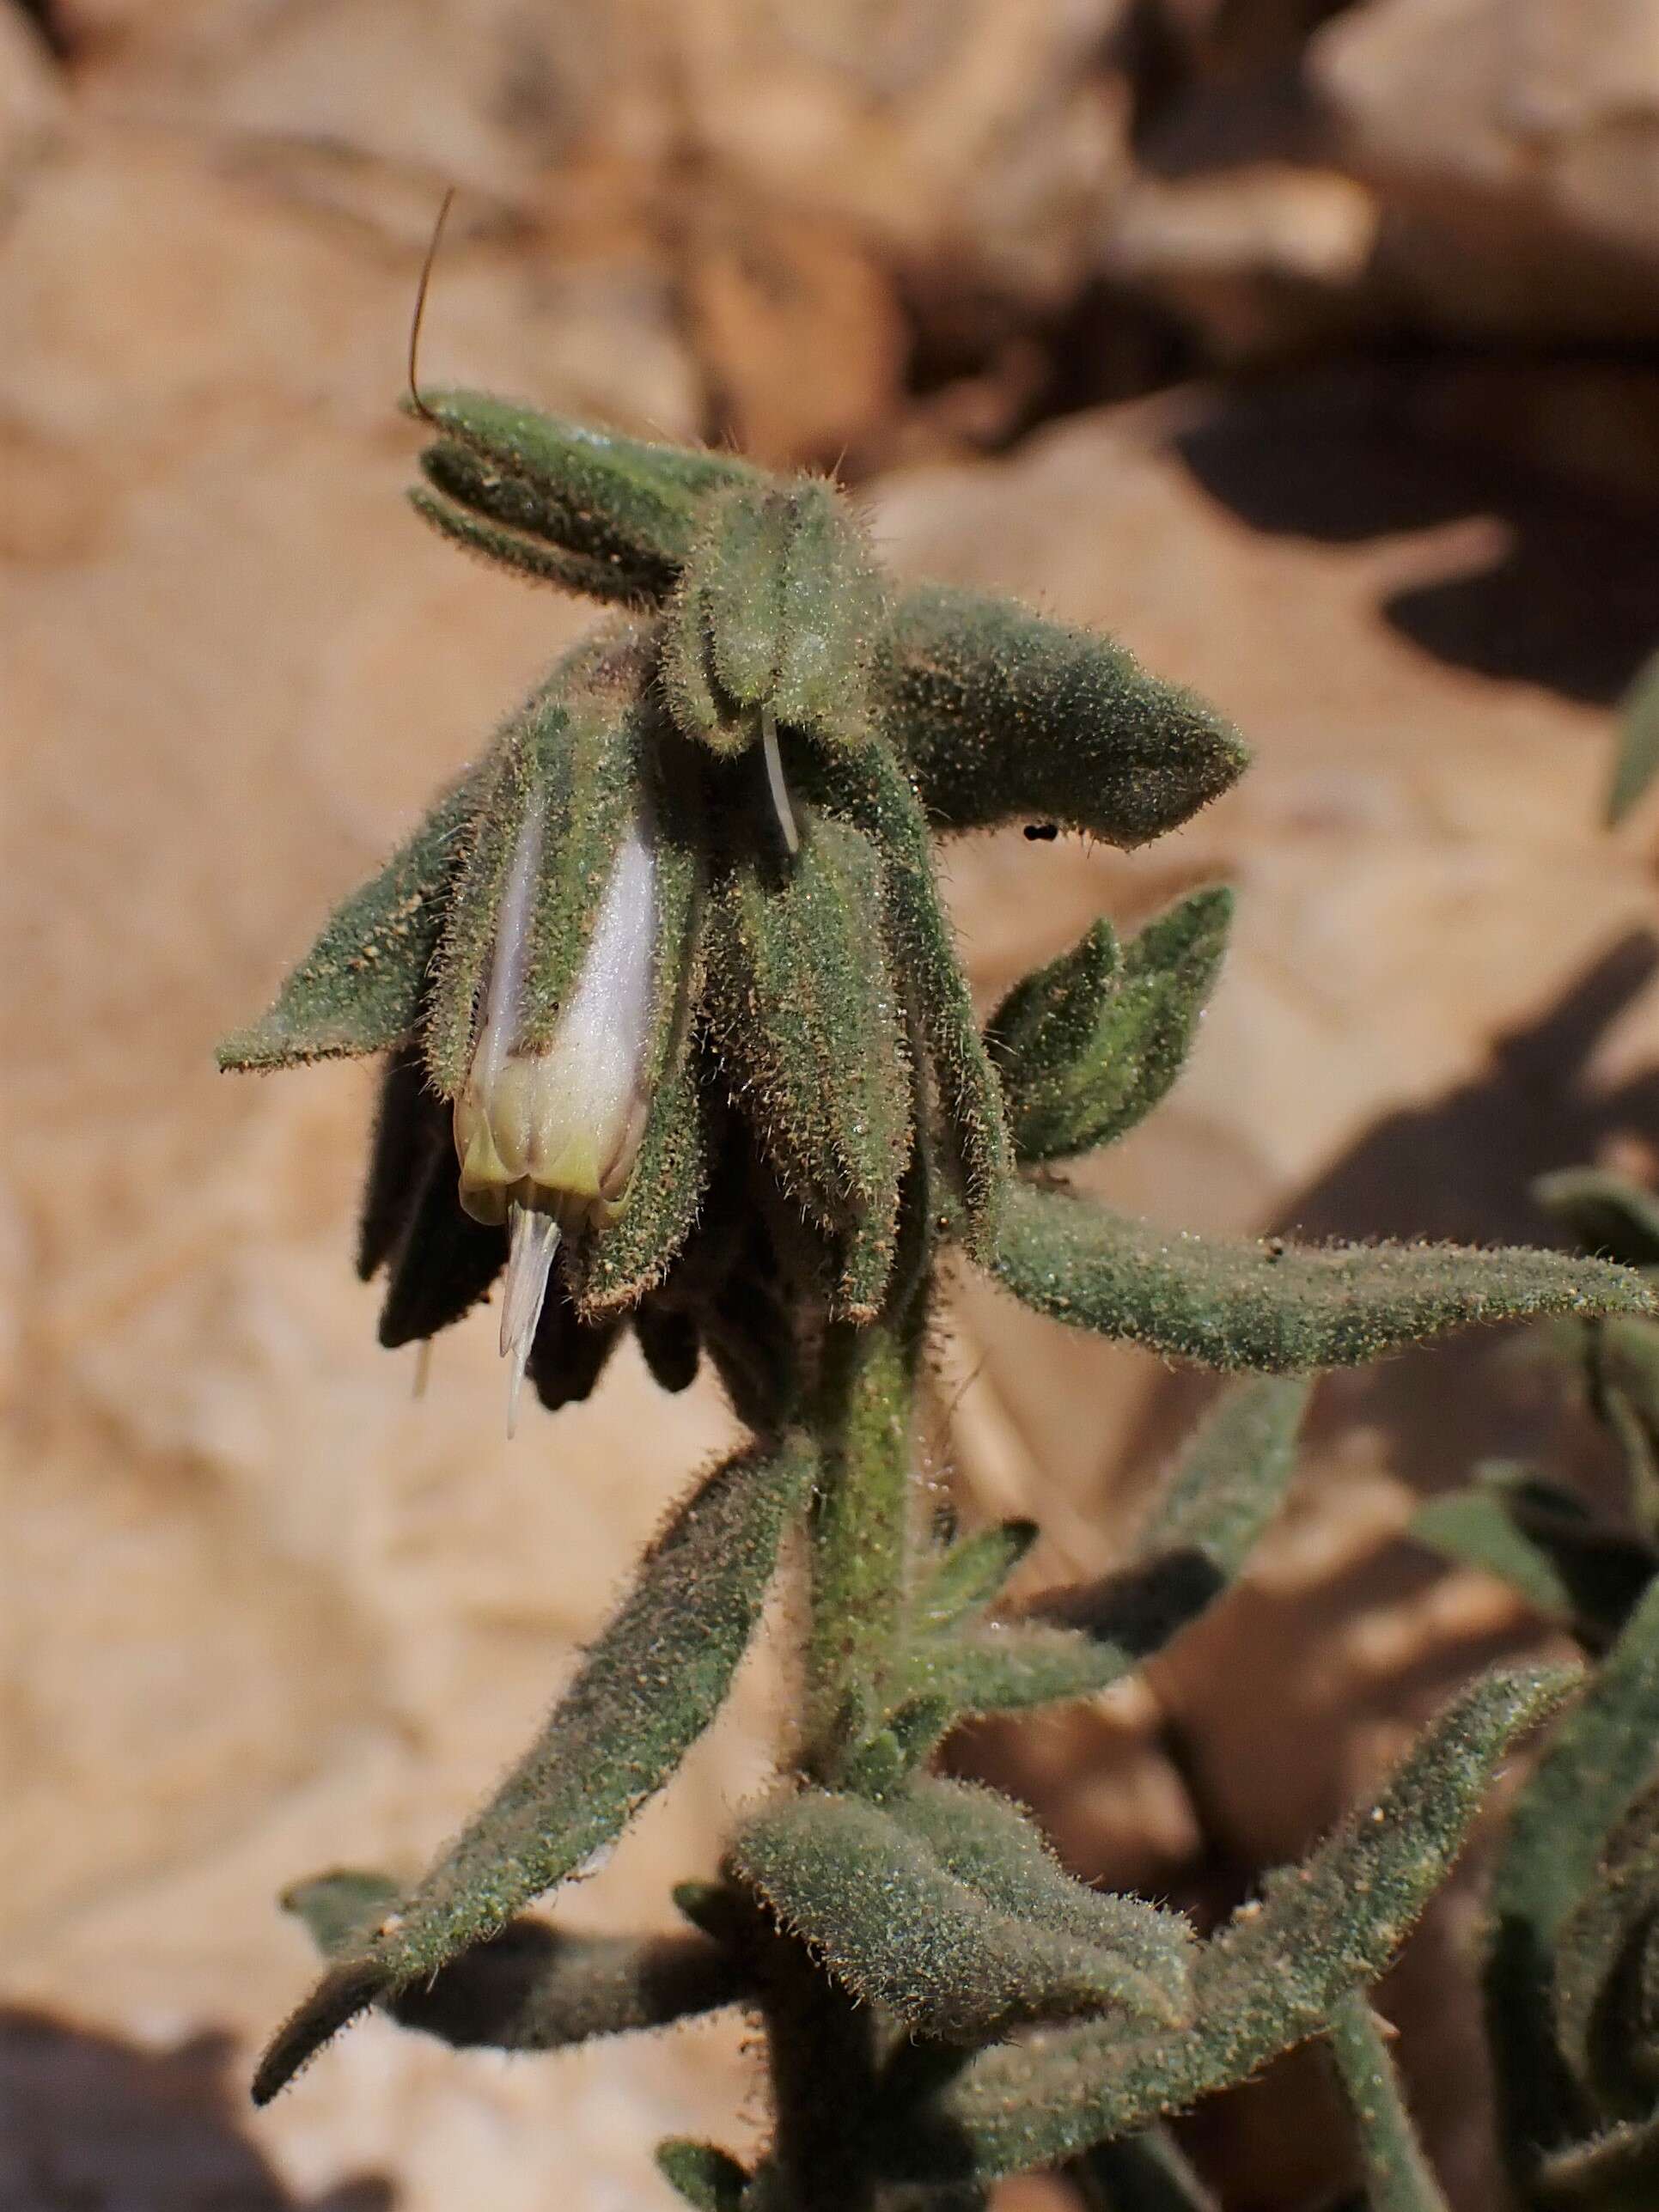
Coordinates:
[775,783]
[534,1239]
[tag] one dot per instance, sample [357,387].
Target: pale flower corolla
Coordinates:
[547,1137]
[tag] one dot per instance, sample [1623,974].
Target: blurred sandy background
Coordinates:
[1312,349]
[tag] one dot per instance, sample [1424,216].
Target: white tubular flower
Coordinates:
[547,1137]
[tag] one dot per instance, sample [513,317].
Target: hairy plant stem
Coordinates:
[860,1528]
[822,2056]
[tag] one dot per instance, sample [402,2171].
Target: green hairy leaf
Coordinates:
[360,987]
[1231,1478]
[1000,713]
[620,514]
[338,1909]
[646,1691]
[1270,1979]
[1397,2175]
[1596,1761]
[531,1987]
[987,1843]
[1285,1309]
[1623,1364]
[1637,760]
[889,1918]
[964,1578]
[1539,1539]
[1087,1047]
[1224,1492]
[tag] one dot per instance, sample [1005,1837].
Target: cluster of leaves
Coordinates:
[942,2004]
[1572,1979]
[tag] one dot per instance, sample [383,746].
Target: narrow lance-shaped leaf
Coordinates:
[646,1691]
[619,512]
[531,1987]
[1272,1979]
[878,1905]
[1225,1489]
[1539,1539]
[1231,1479]
[998,713]
[1282,1308]
[360,987]
[988,1844]
[1592,1767]
[1397,2175]
[1087,1047]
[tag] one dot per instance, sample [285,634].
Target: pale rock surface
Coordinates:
[1516,143]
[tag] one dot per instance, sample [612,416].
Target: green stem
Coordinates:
[821,2050]
[1397,2175]
[860,1531]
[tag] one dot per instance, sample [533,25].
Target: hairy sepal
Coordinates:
[807,1018]
[777,611]
[868,787]
[621,512]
